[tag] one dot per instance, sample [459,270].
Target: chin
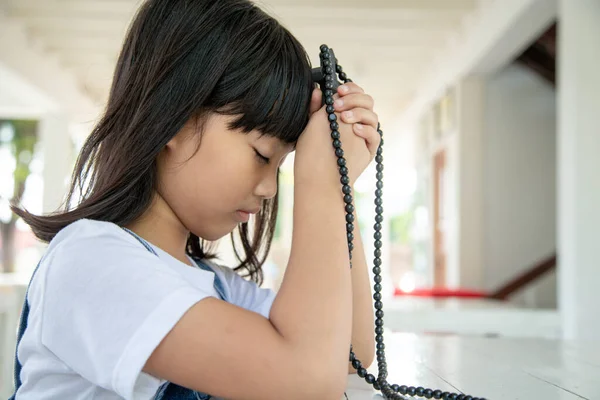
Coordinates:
[214,235]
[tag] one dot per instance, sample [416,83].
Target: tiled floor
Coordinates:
[492,368]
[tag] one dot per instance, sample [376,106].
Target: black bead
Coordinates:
[378,201]
[350,246]
[379,338]
[380,352]
[362,372]
[335,134]
[370,378]
[379,210]
[378,244]
[377,262]
[329,100]
[420,391]
[377,253]
[349,227]
[326,63]
[330,109]
[377,226]
[379,322]
[377,278]
[337,144]
[334,126]
[377,296]
[379,330]
[377,287]
[380,346]
[339,152]
[328,92]
[378,175]
[356,364]
[403,389]
[395,387]
[328,70]
[346,189]
[379,167]
[350,236]
[332,117]
[445,395]
[329,85]
[379,218]
[379,185]
[377,235]
[379,313]
[349,208]
[428,393]
[437,394]
[341,161]
[468,398]
[343,76]
[344,180]
[338,68]
[378,192]
[376,270]
[328,78]
[324,48]
[379,158]
[376,385]
[348,198]
[411,391]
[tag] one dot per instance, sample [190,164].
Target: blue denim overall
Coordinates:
[168,390]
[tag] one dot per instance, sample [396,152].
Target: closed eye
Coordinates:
[262,158]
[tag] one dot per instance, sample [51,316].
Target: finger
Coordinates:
[315,101]
[349,88]
[366,117]
[357,100]
[371,136]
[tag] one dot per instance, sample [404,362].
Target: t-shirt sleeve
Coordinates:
[107,304]
[247,294]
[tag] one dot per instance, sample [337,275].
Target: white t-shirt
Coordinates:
[100,303]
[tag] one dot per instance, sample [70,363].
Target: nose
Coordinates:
[267,186]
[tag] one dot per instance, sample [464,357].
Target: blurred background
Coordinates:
[489,112]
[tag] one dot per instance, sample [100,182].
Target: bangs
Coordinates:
[269,86]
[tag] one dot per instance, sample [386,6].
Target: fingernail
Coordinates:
[348,114]
[344,89]
[338,103]
[359,127]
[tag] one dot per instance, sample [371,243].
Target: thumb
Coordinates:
[315,101]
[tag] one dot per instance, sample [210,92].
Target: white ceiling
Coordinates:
[384,45]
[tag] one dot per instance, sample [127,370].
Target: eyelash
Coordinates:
[262,158]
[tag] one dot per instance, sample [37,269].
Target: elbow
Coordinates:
[324,381]
[329,386]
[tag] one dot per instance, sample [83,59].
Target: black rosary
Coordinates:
[325,76]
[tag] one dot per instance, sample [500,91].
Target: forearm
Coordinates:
[313,308]
[363,320]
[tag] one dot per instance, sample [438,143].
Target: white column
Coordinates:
[57,152]
[578,166]
[470,102]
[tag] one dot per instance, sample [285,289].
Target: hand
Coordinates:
[315,155]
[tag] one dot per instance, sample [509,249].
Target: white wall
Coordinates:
[519,180]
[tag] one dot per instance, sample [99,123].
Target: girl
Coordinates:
[208,98]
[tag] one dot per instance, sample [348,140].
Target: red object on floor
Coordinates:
[441,292]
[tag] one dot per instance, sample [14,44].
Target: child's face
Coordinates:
[207,189]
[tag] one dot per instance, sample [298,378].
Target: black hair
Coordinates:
[182,59]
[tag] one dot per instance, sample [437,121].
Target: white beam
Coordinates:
[17,53]
[492,38]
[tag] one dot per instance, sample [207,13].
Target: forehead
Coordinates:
[272,141]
